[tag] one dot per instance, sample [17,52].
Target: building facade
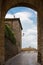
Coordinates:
[16,27]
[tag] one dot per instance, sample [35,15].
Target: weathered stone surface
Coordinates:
[10,49]
[34,4]
[16,27]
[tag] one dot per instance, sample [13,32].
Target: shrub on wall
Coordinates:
[9,34]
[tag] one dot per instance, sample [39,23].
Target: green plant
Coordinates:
[9,34]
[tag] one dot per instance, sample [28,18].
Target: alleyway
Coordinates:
[24,58]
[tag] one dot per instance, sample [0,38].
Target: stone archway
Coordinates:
[34,4]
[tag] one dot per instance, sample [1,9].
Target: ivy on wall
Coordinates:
[9,34]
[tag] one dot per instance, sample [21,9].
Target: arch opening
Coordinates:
[21,4]
[28,19]
[18,12]
[37,5]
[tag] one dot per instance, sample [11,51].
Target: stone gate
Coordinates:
[37,5]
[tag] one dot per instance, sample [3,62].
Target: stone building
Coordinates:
[16,27]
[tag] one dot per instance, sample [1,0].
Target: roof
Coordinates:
[12,19]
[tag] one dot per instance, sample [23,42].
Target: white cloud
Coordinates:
[31,31]
[30,37]
[24,16]
[35,13]
[9,16]
[30,40]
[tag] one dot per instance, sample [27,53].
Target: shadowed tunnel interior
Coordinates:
[5,5]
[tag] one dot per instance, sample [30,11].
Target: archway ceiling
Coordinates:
[34,4]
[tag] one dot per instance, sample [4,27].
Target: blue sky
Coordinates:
[28,19]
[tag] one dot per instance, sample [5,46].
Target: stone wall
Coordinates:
[40,34]
[5,5]
[2,49]
[10,49]
[16,27]
[18,33]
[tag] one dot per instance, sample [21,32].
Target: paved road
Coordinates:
[24,58]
